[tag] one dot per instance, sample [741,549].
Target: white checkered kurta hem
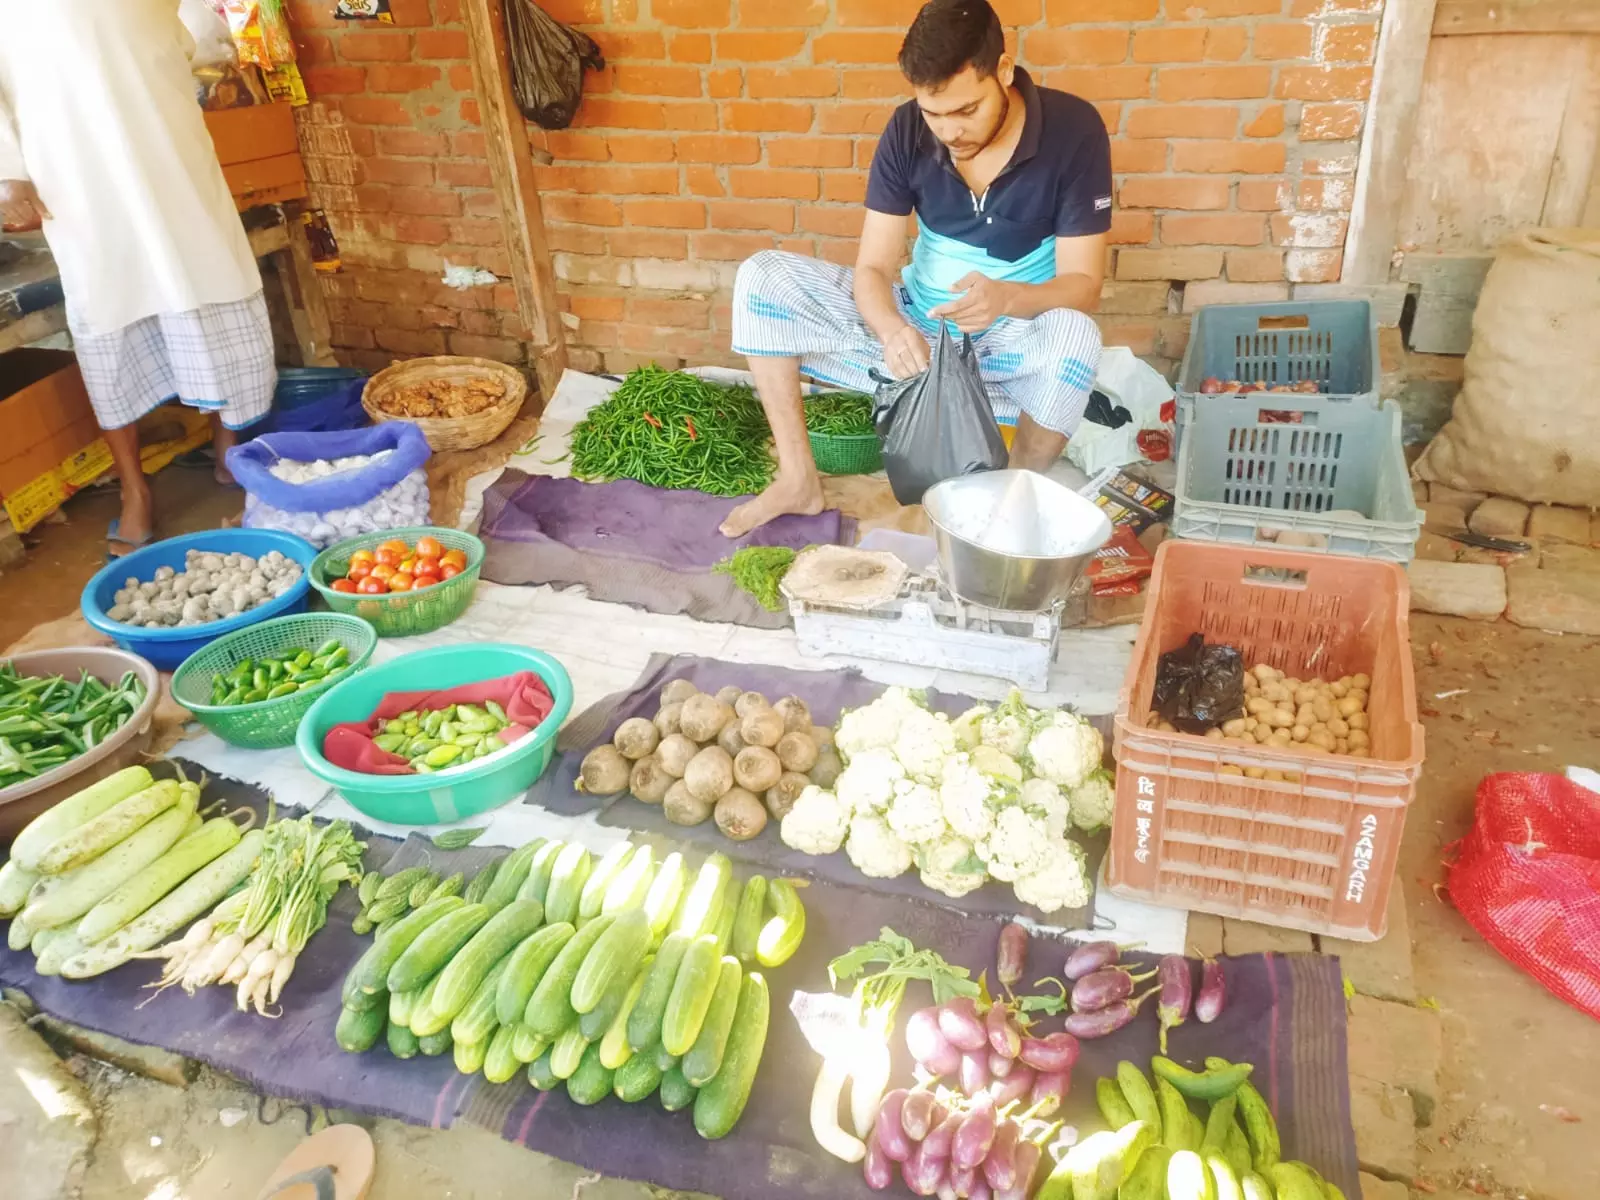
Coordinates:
[217,358]
[790,305]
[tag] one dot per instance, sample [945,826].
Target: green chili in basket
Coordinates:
[839,414]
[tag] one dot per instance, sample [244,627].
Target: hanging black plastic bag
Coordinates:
[937,424]
[547,62]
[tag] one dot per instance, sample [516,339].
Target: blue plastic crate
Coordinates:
[1333,343]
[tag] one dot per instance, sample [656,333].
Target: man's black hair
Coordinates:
[947,37]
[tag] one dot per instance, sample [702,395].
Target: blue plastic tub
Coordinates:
[167,648]
[449,795]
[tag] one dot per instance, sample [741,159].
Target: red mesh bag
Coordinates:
[1528,879]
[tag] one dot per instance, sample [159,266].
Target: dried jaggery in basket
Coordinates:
[459,403]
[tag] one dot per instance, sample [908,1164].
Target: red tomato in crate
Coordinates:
[395,544]
[389,558]
[458,557]
[362,556]
[449,571]
[425,565]
[359,571]
[424,579]
[372,586]
[383,571]
[343,585]
[428,547]
[400,581]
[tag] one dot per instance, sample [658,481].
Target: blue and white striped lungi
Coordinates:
[790,305]
[217,358]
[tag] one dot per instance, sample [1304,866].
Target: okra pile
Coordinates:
[283,674]
[445,737]
[46,721]
[612,976]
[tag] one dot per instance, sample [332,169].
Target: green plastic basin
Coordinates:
[448,796]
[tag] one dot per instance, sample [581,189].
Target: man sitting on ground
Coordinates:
[1011,187]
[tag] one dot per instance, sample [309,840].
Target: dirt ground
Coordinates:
[1517,1109]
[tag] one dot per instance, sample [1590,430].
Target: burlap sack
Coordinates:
[1527,421]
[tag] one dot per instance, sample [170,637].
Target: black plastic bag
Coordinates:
[937,424]
[547,62]
[1199,686]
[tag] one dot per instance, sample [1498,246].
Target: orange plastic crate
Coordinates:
[1318,854]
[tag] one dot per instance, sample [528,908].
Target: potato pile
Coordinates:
[1281,711]
[733,756]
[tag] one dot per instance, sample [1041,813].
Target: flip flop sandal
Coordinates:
[114,534]
[336,1164]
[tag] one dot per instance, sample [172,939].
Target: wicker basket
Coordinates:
[847,453]
[449,433]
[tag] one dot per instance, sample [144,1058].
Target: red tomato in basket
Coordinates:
[343,585]
[424,579]
[458,557]
[362,556]
[372,586]
[397,545]
[383,571]
[449,570]
[408,567]
[359,571]
[388,557]
[400,581]
[429,547]
[425,565]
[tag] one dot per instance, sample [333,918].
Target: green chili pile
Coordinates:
[669,429]
[759,570]
[46,721]
[839,414]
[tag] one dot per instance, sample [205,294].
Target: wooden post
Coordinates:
[511,167]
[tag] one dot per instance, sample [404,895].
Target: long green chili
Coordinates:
[839,414]
[46,721]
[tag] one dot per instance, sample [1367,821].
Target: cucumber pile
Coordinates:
[612,976]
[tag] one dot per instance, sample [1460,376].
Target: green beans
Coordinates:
[282,674]
[839,414]
[46,721]
[673,430]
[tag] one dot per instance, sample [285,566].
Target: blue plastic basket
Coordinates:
[167,648]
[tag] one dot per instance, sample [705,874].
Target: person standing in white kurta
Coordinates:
[103,143]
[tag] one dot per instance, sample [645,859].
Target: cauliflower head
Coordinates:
[1065,748]
[968,726]
[1093,801]
[1061,881]
[996,763]
[1007,727]
[874,726]
[924,742]
[915,814]
[1045,800]
[817,823]
[874,848]
[1016,846]
[966,795]
[950,866]
[867,784]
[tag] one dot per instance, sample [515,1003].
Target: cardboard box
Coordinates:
[52,443]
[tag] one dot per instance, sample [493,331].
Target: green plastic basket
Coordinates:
[402,614]
[267,724]
[847,454]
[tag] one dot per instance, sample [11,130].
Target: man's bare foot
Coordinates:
[136,523]
[802,495]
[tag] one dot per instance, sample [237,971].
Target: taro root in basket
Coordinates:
[459,403]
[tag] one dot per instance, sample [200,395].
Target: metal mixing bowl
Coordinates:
[1013,540]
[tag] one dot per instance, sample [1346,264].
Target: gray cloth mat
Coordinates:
[827,693]
[1285,1014]
[632,544]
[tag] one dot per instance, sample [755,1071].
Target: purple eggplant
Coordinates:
[1012,959]
[889,1132]
[1014,1086]
[1000,1167]
[1103,1021]
[928,1046]
[980,1190]
[1177,992]
[976,1135]
[1024,1162]
[974,1073]
[999,1065]
[961,1025]
[1054,1053]
[1003,1036]
[943,1135]
[946,1191]
[924,1172]
[916,1114]
[1213,992]
[877,1168]
[961,1180]
[1090,957]
[1104,988]
[1049,1090]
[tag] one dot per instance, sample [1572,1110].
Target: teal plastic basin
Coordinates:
[452,796]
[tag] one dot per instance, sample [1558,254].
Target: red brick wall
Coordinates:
[720,127]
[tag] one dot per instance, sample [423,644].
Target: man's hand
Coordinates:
[905,353]
[20,207]
[983,303]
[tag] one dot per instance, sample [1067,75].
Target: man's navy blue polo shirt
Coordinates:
[1057,184]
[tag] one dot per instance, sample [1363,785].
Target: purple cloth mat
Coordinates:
[1285,1014]
[827,693]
